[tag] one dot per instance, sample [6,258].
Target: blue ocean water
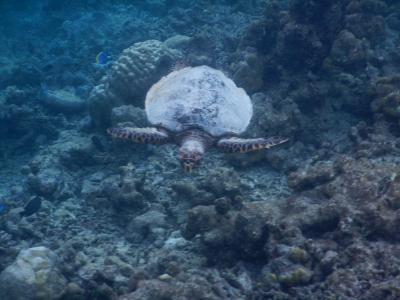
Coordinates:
[209,149]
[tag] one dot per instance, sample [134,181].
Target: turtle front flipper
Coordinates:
[234,144]
[146,135]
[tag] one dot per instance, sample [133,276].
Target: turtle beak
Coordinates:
[189,160]
[187,167]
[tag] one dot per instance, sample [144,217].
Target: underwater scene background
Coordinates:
[83,216]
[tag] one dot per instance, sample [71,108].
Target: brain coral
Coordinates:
[136,69]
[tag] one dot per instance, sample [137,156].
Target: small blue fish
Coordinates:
[102,58]
[3,208]
[44,90]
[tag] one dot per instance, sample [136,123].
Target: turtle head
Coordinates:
[191,153]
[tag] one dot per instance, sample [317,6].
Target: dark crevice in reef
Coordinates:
[321,227]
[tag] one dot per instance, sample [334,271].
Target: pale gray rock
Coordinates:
[33,275]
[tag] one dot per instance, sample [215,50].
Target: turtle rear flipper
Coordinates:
[234,144]
[146,135]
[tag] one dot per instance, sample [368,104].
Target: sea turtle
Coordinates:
[196,108]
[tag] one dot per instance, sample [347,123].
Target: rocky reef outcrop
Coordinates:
[84,217]
[33,275]
[136,69]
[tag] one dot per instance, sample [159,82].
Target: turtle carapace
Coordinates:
[197,108]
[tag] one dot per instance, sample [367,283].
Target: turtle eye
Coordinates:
[191,157]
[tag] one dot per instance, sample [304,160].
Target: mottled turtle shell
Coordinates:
[199,97]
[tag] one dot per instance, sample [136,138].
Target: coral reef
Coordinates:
[137,68]
[83,217]
[248,73]
[386,94]
[348,51]
[33,275]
